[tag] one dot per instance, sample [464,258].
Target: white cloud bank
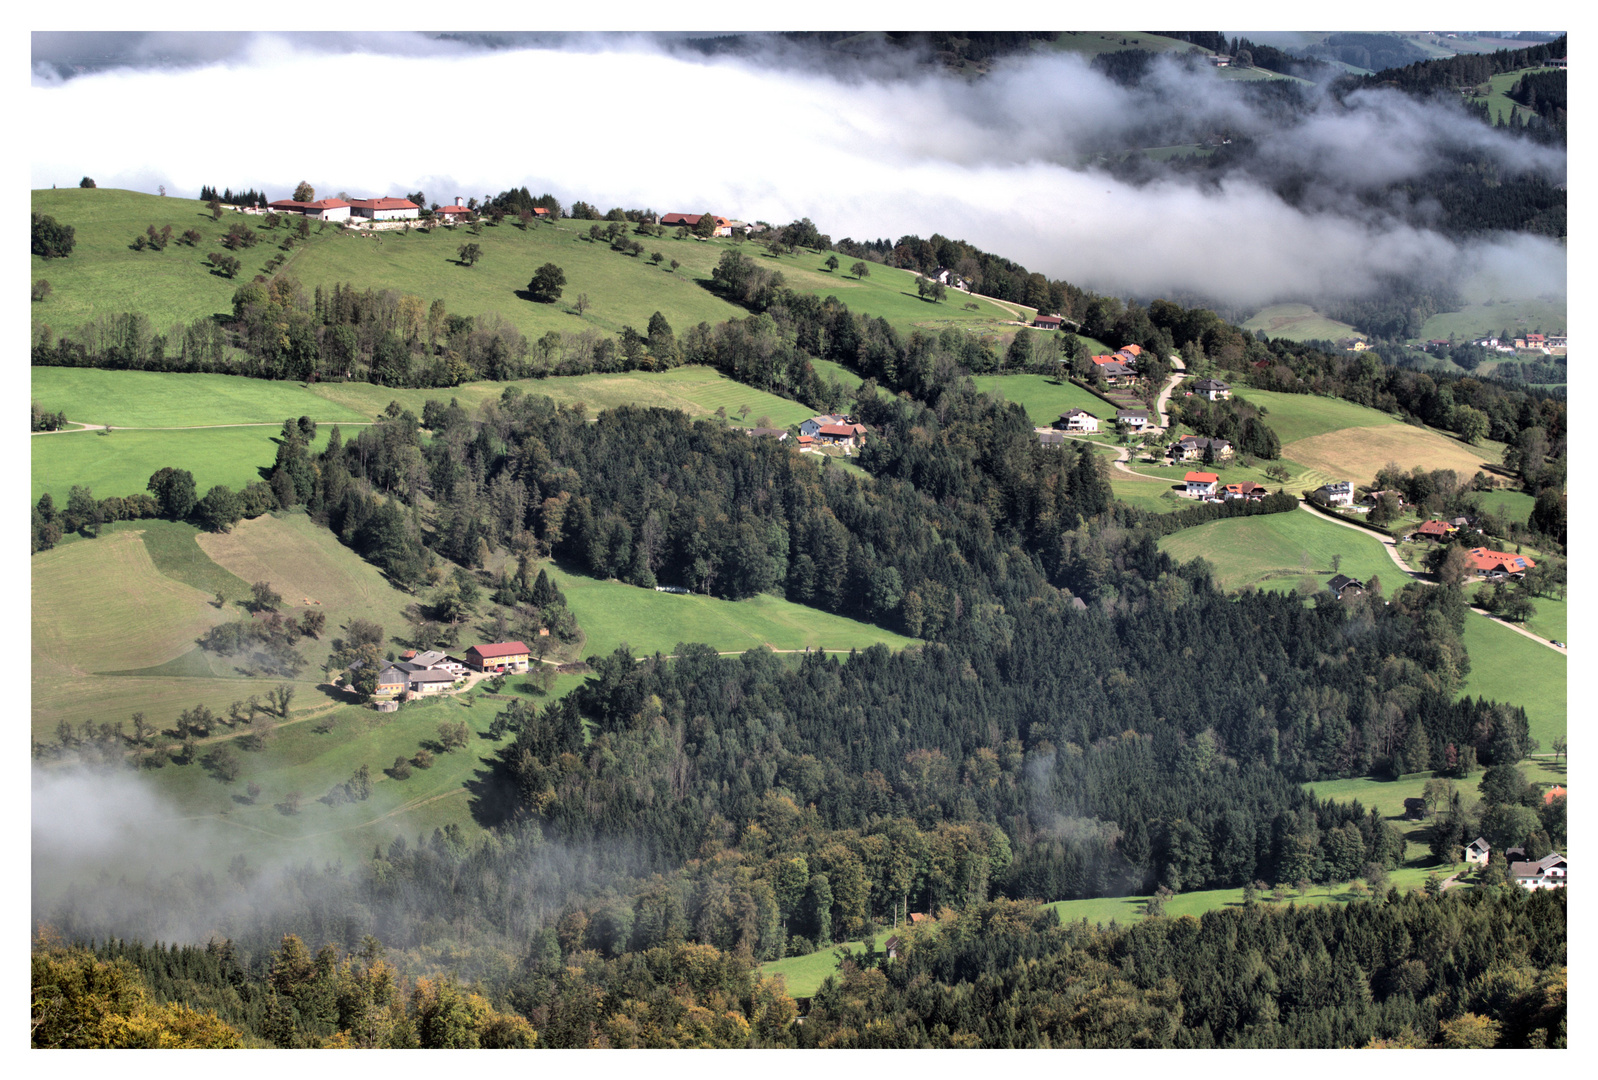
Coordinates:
[617,121]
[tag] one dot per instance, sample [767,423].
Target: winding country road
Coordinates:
[1392,552]
[1164,399]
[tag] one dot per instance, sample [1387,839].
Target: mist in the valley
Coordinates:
[866,145]
[113,856]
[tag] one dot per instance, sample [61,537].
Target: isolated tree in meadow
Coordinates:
[253,790]
[860,270]
[86,182]
[470,253]
[582,304]
[282,695]
[42,290]
[51,239]
[263,596]
[547,283]
[674,265]
[1472,424]
[832,262]
[304,192]
[656,257]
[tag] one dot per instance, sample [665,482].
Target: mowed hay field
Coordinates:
[1045,398]
[309,568]
[611,613]
[1276,551]
[1338,439]
[154,399]
[1358,454]
[102,606]
[697,391]
[122,462]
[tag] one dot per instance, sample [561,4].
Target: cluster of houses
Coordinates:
[387,209]
[1549,872]
[723,227]
[418,674]
[1547,344]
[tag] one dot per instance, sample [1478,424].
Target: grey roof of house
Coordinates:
[1078,603]
[1211,384]
[1343,581]
[1480,843]
[428,659]
[1127,414]
[432,675]
[1050,438]
[391,674]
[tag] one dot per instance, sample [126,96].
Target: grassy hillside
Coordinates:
[1302,416]
[161,399]
[1358,454]
[1298,322]
[697,391]
[610,613]
[1276,551]
[104,606]
[1498,100]
[122,462]
[1505,666]
[1045,398]
[104,276]
[1491,318]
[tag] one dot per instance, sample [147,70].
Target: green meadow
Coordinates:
[1514,505]
[803,975]
[122,462]
[1277,551]
[697,391]
[611,613]
[1506,666]
[1045,398]
[153,399]
[1303,416]
[1298,322]
[1498,100]
[105,276]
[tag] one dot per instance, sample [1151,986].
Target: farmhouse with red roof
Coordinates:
[1201,483]
[325,209]
[1487,561]
[723,226]
[387,209]
[500,656]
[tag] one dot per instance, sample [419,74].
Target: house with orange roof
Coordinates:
[1201,483]
[1486,561]
[1555,792]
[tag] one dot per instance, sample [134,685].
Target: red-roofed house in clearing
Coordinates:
[840,434]
[1434,530]
[723,225]
[1555,792]
[1048,322]
[1201,483]
[1486,562]
[452,213]
[500,656]
[384,209]
[325,209]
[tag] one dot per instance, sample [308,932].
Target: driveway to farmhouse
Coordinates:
[1170,384]
[1392,550]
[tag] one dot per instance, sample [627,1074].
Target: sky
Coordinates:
[866,148]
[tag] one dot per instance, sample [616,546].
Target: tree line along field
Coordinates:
[104,276]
